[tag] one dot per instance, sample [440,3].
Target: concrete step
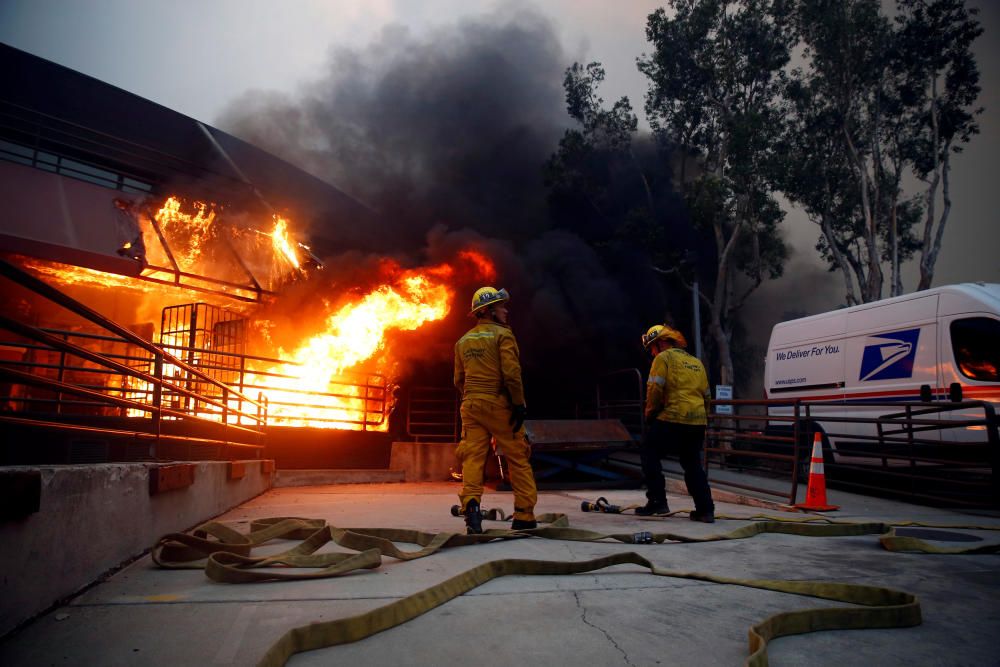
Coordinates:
[337,476]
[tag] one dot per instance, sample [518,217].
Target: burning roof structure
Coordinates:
[185,285]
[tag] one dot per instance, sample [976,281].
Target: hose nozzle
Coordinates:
[602,505]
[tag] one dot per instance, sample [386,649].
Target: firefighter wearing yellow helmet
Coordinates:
[488,376]
[676,412]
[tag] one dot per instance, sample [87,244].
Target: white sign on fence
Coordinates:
[723,392]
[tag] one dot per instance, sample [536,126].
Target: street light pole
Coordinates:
[696,307]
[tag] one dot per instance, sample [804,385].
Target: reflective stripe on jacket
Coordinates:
[677,388]
[487,363]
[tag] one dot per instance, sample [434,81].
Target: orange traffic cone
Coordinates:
[816,492]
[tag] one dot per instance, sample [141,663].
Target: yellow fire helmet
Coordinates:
[658,331]
[486,297]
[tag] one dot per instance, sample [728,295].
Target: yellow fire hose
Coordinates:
[226,556]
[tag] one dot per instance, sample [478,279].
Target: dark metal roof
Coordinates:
[48,107]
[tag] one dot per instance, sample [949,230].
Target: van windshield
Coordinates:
[976,343]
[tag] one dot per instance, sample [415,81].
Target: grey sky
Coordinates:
[197,56]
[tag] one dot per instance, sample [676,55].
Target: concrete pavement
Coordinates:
[620,616]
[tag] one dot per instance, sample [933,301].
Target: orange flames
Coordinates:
[282,242]
[189,234]
[338,377]
[298,390]
[188,247]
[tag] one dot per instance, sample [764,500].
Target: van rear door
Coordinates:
[970,357]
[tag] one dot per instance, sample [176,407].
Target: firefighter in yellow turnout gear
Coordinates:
[676,414]
[488,375]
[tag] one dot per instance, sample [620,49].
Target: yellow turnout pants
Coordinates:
[482,418]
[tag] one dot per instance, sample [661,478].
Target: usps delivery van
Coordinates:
[942,343]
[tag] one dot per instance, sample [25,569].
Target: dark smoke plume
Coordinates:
[445,136]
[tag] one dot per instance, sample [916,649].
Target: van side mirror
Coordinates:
[925,393]
[955,392]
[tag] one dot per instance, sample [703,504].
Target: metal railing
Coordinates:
[63,381]
[915,450]
[353,401]
[621,395]
[432,414]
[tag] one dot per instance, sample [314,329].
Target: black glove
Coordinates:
[517,415]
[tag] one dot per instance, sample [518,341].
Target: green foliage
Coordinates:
[600,184]
[934,40]
[714,89]
[877,101]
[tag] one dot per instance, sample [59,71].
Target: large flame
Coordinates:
[341,376]
[353,335]
[189,233]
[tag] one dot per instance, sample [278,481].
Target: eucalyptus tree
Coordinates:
[715,79]
[592,156]
[935,40]
[846,143]
[876,102]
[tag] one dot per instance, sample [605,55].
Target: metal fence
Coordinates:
[938,452]
[621,395]
[432,414]
[214,341]
[110,381]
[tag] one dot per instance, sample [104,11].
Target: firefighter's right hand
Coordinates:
[517,415]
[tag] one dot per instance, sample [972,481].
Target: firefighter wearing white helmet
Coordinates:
[488,376]
[676,412]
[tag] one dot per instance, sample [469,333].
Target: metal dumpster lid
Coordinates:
[565,431]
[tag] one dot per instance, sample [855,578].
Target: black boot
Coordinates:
[523,524]
[704,517]
[473,518]
[653,507]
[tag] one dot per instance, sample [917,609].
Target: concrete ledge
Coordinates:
[285,478]
[170,477]
[424,461]
[93,518]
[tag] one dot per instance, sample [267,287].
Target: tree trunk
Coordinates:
[930,248]
[719,300]
[871,290]
[896,283]
[929,257]
[850,295]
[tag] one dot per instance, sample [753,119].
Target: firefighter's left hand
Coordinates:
[517,415]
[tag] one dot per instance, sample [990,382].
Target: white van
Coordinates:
[940,344]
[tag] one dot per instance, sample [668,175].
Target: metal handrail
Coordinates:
[84,353]
[250,423]
[45,290]
[101,398]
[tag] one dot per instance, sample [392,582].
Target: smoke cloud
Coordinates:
[445,136]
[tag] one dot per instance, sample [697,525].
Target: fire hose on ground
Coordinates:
[226,555]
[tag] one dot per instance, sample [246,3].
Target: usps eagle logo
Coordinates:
[889,356]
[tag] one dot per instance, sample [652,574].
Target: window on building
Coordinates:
[15,152]
[26,155]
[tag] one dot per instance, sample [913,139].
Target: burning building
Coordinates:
[164,293]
